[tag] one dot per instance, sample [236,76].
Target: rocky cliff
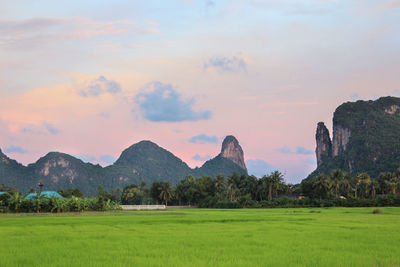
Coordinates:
[233,151]
[365,138]
[324,144]
[141,162]
[341,137]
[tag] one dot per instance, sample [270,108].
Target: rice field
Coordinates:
[204,237]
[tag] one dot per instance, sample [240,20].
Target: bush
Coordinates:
[226,204]
[377,211]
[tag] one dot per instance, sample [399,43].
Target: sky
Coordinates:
[91,78]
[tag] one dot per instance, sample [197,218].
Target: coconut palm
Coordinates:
[372,187]
[38,201]
[337,177]
[166,192]
[363,181]
[322,186]
[347,180]
[220,187]
[276,181]
[393,182]
[232,192]
[383,180]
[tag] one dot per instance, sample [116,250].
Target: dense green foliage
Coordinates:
[199,237]
[16,202]
[142,162]
[374,144]
[240,191]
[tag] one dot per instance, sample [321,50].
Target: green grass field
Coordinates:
[203,237]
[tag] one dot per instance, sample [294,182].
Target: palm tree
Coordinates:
[347,179]
[322,186]
[276,181]
[363,180]
[166,192]
[267,185]
[373,185]
[232,192]
[220,186]
[16,201]
[383,180]
[357,183]
[337,176]
[397,179]
[38,201]
[393,182]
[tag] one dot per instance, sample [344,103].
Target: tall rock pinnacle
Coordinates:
[233,151]
[324,144]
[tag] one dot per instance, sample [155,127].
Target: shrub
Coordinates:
[226,204]
[377,211]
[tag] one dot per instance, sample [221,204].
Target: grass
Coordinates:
[203,237]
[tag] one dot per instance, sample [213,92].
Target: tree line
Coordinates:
[337,189]
[235,191]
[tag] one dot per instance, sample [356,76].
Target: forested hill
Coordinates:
[366,138]
[141,162]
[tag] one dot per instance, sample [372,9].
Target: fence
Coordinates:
[182,207]
[143,207]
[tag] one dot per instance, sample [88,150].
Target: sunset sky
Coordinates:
[90,78]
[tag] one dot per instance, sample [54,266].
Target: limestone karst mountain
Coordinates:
[365,138]
[232,150]
[141,162]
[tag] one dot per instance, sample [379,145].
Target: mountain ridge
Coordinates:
[144,161]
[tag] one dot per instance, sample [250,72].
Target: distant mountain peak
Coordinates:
[233,151]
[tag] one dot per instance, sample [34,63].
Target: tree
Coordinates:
[243,200]
[363,181]
[57,204]
[373,186]
[70,192]
[103,193]
[205,187]
[220,187]
[347,180]
[131,195]
[268,184]
[233,192]
[116,194]
[232,187]
[249,187]
[16,201]
[186,190]
[392,181]
[38,201]
[277,181]
[337,176]
[383,180]
[322,187]
[155,191]
[307,188]
[165,192]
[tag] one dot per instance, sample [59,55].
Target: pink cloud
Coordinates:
[39,31]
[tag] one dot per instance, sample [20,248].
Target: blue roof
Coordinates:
[48,194]
[2,193]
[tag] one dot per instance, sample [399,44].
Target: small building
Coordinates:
[46,194]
